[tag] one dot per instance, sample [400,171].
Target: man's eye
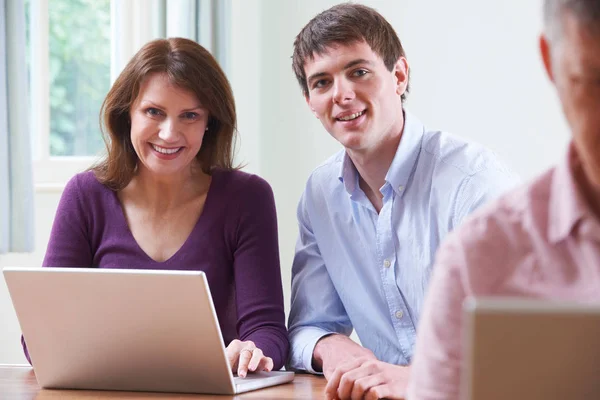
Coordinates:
[320,83]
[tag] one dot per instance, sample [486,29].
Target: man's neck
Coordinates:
[373,165]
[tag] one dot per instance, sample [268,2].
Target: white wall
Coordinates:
[475,72]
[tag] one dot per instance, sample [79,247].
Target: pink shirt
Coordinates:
[539,241]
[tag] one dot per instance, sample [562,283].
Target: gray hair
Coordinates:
[586,11]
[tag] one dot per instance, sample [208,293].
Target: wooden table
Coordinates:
[19,383]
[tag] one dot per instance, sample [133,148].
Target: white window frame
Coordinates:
[49,172]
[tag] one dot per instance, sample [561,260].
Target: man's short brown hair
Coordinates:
[346,24]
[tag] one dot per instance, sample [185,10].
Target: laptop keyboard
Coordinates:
[250,377]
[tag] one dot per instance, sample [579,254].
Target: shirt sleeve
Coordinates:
[316,309]
[257,274]
[435,370]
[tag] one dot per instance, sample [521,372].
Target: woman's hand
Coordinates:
[245,356]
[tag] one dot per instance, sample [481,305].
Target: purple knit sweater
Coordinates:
[234,242]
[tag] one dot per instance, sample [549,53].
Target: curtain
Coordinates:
[16,180]
[136,22]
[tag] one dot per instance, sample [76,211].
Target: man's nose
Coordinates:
[343,91]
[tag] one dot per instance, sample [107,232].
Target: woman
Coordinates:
[168,197]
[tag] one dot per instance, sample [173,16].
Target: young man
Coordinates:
[542,240]
[373,215]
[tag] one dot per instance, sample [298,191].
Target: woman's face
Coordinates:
[167,127]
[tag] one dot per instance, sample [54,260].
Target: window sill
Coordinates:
[57,171]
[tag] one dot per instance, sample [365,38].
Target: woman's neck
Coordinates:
[163,193]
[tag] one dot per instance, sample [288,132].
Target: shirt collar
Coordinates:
[348,174]
[407,154]
[403,163]
[566,204]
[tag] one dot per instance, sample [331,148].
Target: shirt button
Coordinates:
[387,263]
[400,188]
[399,314]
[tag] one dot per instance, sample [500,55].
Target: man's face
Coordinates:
[572,59]
[357,99]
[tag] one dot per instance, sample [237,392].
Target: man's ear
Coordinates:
[401,69]
[546,55]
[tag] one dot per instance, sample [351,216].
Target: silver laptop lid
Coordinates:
[530,349]
[120,329]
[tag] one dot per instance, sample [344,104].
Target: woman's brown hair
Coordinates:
[188,66]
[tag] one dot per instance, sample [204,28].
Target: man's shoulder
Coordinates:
[499,238]
[324,187]
[328,171]
[461,155]
[508,222]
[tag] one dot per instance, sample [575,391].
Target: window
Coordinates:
[69,65]
[79,50]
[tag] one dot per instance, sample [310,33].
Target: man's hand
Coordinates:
[365,378]
[335,350]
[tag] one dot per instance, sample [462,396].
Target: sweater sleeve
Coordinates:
[257,275]
[69,244]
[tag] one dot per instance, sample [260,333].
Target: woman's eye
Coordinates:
[153,112]
[190,115]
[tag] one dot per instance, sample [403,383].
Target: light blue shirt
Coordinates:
[355,268]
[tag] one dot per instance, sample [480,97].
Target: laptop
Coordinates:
[130,330]
[530,349]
